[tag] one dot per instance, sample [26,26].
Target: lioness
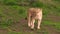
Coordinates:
[34,13]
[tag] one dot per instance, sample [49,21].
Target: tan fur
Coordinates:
[34,13]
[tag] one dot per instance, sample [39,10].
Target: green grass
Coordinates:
[55,25]
[10,13]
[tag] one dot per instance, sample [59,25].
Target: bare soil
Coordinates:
[21,25]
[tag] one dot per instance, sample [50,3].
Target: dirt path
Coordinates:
[21,25]
[3,31]
[51,30]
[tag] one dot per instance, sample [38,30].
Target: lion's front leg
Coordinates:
[29,22]
[32,23]
[39,23]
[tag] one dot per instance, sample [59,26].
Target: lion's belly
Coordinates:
[38,16]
